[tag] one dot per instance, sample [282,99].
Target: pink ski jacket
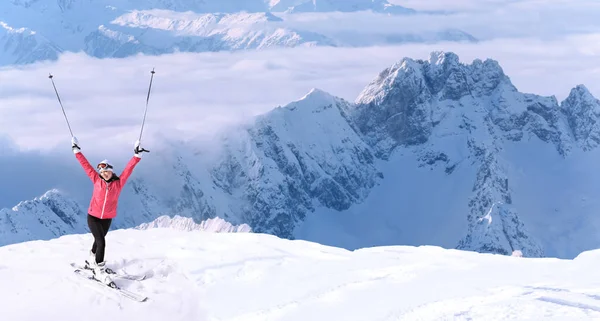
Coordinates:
[105,196]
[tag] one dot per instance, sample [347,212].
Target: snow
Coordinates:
[194,275]
[13,30]
[187,224]
[189,23]
[110,28]
[558,195]
[394,210]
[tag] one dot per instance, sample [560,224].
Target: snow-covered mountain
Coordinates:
[21,46]
[215,225]
[192,275]
[431,152]
[48,216]
[34,30]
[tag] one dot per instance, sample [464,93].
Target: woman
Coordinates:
[103,205]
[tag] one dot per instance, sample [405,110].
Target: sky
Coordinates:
[484,19]
[198,95]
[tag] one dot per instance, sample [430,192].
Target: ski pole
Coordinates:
[61,105]
[147,99]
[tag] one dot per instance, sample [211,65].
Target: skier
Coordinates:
[103,205]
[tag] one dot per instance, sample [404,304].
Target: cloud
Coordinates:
[202,93]
[197,96]
[455,5]
[484,19]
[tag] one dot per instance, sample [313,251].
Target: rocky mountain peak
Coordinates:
[314,99]
[403,104]
[582,111]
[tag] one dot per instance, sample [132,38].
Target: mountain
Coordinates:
[295,6]
[53,215]
[432,152]
[215,225]
[36,30]
[192,275]
[22,46]
[48,216]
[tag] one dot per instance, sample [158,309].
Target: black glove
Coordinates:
[137,150]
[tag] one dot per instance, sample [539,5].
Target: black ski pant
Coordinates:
[99,229]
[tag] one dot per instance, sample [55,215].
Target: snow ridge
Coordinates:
[215,225]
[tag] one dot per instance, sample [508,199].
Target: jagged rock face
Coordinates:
[412,102]
[405,102]
[495,227]
[582,111]
[281,173]
[397,113]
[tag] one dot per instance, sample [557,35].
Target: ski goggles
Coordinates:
[103,167]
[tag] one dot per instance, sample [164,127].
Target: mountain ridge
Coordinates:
[427,124]
[107,29]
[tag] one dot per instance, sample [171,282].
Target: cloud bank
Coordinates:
[492,19]
[196,96]
[201,93]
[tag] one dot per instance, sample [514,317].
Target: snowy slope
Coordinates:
[244,276]
[280,173]
[39,30]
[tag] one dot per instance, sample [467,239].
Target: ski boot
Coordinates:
[100,274]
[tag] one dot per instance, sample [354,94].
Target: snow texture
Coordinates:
[245,276]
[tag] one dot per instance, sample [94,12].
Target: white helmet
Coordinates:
[104,165]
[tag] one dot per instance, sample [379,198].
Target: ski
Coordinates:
[126,293]
[119,275]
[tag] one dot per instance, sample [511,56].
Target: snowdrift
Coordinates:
[196,275]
